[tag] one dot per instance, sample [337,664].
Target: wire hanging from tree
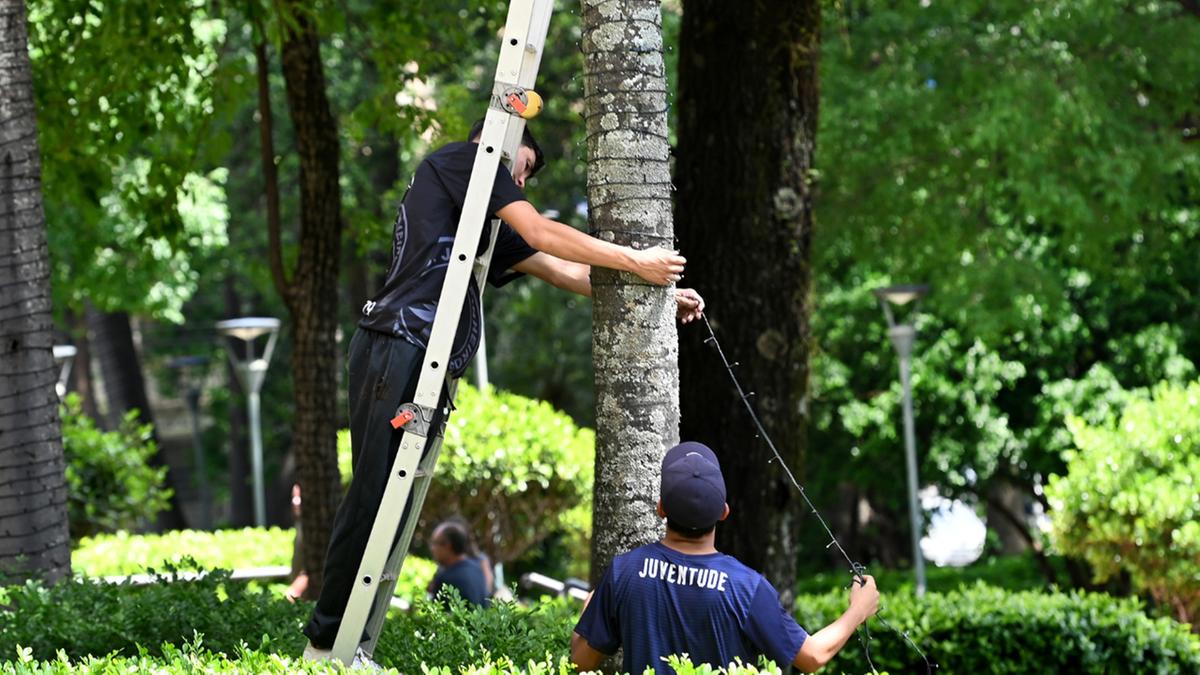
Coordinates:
[856,569]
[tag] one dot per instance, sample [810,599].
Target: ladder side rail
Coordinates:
[529,18]
[429,386]
[379,555]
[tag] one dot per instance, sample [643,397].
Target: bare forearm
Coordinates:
[656,265]
[564,241]
[574,277]
[569,276]
[821,646]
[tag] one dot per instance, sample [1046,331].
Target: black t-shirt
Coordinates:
[424,235]
[467,577]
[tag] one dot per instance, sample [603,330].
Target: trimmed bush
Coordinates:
[190,659]
[123,553]
[466,634]
[515,468]
[1128,502]
[110,483]
[86,617]
[989,630]
[979,630]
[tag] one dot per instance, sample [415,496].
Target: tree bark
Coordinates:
[747,131]
[81,381]
[311,295]
[34,539]
[634,344]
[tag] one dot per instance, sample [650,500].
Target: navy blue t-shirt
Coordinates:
[465,575]
[655,601]
[424,235]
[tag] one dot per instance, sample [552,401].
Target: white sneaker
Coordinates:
[361,660]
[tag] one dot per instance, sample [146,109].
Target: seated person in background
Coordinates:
[682,596]
[450,544]
[475,553]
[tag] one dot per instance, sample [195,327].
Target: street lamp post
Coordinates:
[250,372]
[64,355]
[191,374]
[903,335]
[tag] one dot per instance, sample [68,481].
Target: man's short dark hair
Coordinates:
[456,537]
[689,532]
[527,140]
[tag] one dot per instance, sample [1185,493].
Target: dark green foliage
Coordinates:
[125,97]
[85,617]
[1032,163]
[110,484]
[465,635]
[989,630]
[981,629]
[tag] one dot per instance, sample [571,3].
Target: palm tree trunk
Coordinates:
[34,540]
[634,344]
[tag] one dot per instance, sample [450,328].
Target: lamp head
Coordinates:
[248,328]
[64,352]
[902,294]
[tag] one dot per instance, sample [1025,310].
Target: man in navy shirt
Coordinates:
[449,546]
[388,349]
[681,596]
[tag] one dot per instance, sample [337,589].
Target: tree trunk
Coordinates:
[312,293]
[125,389]
[34,540]
[634,344]
[80,380]
[747,130]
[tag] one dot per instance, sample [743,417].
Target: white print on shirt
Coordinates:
[369,307]
[674,573]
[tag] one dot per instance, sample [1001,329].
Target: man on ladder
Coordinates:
[394,353]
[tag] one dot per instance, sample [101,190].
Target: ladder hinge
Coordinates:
[416,419]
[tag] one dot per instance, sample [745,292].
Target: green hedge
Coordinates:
[981,629]
[86,618]
[196,659]
[123,553]
[989,630]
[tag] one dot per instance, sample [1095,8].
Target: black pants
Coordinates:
[383,373]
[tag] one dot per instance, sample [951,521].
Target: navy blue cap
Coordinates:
[693,489]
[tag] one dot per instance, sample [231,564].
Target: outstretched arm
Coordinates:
[576,278]
[656,265]
[821,646]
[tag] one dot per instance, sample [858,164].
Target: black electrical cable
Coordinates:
[856,569]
